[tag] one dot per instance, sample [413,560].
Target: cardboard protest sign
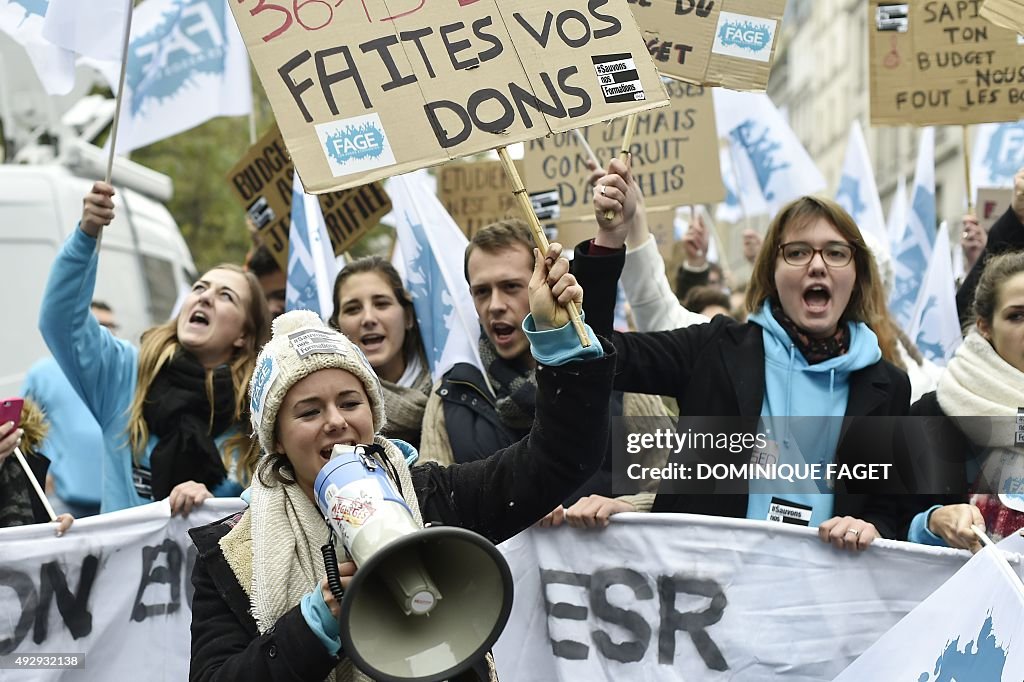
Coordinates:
[366,90]
[262,182]
[729,42]
[941,63]
[1006,13]
[476,194]
[675,156]
[992,203]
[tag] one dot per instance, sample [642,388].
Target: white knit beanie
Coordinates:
[300,345]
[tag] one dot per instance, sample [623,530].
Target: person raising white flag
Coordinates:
[432,247]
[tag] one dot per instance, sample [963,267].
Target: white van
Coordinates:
[144,261]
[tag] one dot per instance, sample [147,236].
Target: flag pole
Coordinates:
[35,484]
[967,168]
[120,89]
[999,557]
[627,142]
[519,191]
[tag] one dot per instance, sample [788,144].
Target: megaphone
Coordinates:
[425,603]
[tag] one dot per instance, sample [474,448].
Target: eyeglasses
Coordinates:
[834,254]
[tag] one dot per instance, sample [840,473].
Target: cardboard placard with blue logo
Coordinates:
[942,63]
[730,43]
[367,90]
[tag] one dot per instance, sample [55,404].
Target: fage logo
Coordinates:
[355,145]
[745,37]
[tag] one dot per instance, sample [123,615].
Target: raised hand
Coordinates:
[97,208]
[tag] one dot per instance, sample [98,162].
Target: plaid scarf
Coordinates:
[813,350]
[514,388]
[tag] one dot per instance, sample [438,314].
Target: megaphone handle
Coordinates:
[331,566]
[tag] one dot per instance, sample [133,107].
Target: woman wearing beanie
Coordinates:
[374,310]
[173,412]
[978,401]
[262,608]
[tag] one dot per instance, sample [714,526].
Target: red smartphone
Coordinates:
[10,411]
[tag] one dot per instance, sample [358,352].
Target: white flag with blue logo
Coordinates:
[91,29]
[312,266]
[998,154]
[186,64]
[782,168]
[736,207]
[971,629]
[910,257]
[936,326]
[23,20]
[857,192]
[896,219]
[432,247]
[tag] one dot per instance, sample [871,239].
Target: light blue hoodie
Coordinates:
[794,388]
[102,369]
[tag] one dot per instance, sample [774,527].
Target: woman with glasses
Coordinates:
[807,350]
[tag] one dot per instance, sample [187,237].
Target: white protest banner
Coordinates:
[673,597]
[674,156]
[367,90]
[969,629]
[115,591]
[939,62]
[725,42]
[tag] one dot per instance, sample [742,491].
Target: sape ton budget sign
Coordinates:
[730,43]
[941,63]
[367,89]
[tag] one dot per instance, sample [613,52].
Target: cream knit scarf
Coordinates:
[979,383]
[405,403]
[274,551]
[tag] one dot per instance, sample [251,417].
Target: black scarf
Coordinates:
[177,412]
[515,387]
[813,350]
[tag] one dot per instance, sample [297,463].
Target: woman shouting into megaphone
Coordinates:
[263,607]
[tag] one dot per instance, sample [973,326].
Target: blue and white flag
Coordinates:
[783,170]
[998,154]
[857,192]
[936,326]
[90,29]
[186,64]
[970,629]
[312,266]
[432,247]
[22,20]
[897,217]
[910,257]
[736,206]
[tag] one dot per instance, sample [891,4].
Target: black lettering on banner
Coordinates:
[694,623]
[25,590]
[73,608]
[703,8]
[382,46]
[327,80]
[454,47]
[629,651]
[496,47]
[565,648]
[416,36]
[614,26]
[169,574]
[296,89]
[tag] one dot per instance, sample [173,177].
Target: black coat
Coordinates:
[1007,234]
[717,370]
[496,497]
